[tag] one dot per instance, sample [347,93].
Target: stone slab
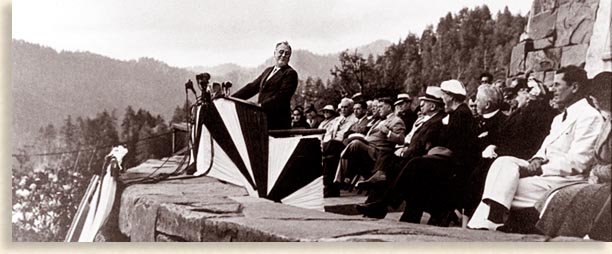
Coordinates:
[574,55]
[517,58]
[199,209]
[543,25]
[539,6]
[191,224]
[538,75]
[549,79]
[543,60]
[545,43]
[599,54]
[574,24]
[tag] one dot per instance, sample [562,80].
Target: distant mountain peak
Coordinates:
[306,63]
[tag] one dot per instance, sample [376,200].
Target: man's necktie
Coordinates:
[416,126]
[272,73]
[335,130]
[374,127]
[564,116]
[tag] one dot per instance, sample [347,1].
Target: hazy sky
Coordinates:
[208,32]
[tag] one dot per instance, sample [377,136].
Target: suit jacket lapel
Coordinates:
[427,123]
[263,81]
[563,126]
[275,77]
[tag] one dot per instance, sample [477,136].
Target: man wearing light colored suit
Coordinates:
[359,156]
[333,145]
[276,85]
[563,158]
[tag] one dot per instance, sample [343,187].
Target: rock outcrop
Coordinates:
[561,33]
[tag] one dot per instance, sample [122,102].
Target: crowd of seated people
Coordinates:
[503,149]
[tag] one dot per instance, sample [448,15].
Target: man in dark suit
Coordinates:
[360,110]
[276,85]
[490,117]
[491,120]
[312,117]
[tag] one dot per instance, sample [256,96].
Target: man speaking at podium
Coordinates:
[275,86]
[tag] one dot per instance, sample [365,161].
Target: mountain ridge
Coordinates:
[305,62]
[48,85]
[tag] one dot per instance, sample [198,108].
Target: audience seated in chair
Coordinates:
[424,135]
[433,182]
[521,135]
[360,153]
[564,157]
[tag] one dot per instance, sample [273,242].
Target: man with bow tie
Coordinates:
[564,157]
[276,85]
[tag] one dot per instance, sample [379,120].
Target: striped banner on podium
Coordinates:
[231,143]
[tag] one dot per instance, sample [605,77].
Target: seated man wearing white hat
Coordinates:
[564,157]
[423,136]
[433,182]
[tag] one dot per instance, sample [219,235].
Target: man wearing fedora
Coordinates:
[423,136]
[564,157]
[433,182]
[403,109]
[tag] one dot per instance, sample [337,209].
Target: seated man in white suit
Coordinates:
[564,157]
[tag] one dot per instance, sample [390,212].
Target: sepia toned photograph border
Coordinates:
[8,246]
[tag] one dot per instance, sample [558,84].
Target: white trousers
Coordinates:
[504,187]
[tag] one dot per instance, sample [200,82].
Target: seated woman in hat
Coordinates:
[329,113]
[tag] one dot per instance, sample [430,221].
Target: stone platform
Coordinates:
[205,209]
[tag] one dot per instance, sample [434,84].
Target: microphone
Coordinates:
[189,86]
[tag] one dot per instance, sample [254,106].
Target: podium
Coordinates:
[231,142]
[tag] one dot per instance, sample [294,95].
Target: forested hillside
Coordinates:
[47,86]
[461,46]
